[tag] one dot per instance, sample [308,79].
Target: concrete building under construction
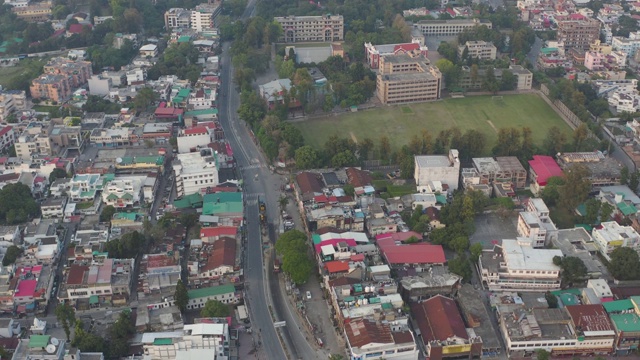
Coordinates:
[502,169]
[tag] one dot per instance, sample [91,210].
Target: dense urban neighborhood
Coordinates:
[252,179]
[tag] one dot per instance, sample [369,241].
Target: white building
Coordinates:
[123,191]
[195,171]
[208,341]
[515,265]
[629,45]
[201,99]
[451,27]
[610,236]
[193,139]
[83,187]
[32,142]
[223,293]
[149,50]
[481,50]
[370,339]
[100,85]
[431,168]
[535,224]
[53,208]
[11,101]
[622,101]
[136,75]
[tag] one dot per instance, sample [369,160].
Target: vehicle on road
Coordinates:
[308,295]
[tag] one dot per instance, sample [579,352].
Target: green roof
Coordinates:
[626,322]
[157,160]
[618,305]
[221,208]
[127,196]
[162,341]
[222,197]
[316,239]
[86,194]
[112,197]
[107,177]
[585,226]
[568,299]
[128,216]
[93,299]
[636,300]
[39,341]
[201,112]
[211,291]
[576,292]
[441,199]
[184,38]
[189,201]
[626,209]
[182,95]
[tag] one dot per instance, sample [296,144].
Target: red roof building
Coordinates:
[592,322]
[309,184]
[334,267]
[413,254]
[441,326]
[25,291]
[211,234]
[164,112]
[541,168]
[358,178]
[398,236]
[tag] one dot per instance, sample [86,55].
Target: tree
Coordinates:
[460,266]
[120,332]
[508,143]
[459,244]
[552,300]
[624,264]
[107,213]
[490,82]
[555,141]
[295,260]
[336,357]
[573,269]
[181,296]
[283,201]
[66,315]
[13,252]
[86,341]
[214,308]
[578,186]
[145,97]
[57,173]
[543,354]
[128,246]
[580,134]
[385,147]
[344,158]
[509,81]
[17,204]
[634,181]
[606,210]
[624,175]
[593,210]
[476,251]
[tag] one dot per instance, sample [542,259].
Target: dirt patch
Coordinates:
[353,137]
[492,126]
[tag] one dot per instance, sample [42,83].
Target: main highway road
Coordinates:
[262,290]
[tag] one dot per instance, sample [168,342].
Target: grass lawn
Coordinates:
[394,190]
[45,108]
[8,73]
[400,123]
[84,205]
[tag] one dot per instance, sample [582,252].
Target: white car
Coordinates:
[308,295]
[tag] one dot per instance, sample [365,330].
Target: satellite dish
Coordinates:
[118,160]
[55,341]
[51,349]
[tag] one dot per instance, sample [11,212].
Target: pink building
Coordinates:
[374,52]
[25,291]
[594,60]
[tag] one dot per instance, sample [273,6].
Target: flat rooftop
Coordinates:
[519,257]
[432,161]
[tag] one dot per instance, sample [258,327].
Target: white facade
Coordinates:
[123,192]
[214,338]
[100,85]
[135,75]
[623,101]
[448,27]
[445,169]
[223,293]
[195,171]
[29,144]
[10,101]
[535,224]
[482,50]
[111,277]
[516,265]
[7,137]
[53,208]
[629,45]
[611,236]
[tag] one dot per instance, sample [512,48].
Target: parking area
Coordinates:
[490,227]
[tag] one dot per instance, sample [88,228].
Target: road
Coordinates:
[262,291]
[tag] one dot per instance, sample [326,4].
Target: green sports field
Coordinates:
[400,123]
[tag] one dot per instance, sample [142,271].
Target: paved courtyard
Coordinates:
[492,227]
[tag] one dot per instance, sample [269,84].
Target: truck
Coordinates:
[263,211]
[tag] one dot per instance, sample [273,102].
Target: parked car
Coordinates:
[308,295]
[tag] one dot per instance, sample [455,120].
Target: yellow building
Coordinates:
[405,78]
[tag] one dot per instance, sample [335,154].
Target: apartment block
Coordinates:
[51,87]
[78,71]
[481,50]
[7,137]
[177,18]
[29,144]
[36,12]
[374,52]
[195,171]
[579,33]
[628,45]
[516,266]
[202,340]
[11,101]
[100,85]
[405,78]
[325,28]
[450,27]
[603,170]
[123,192]
[535,224]
[203,17]
[611,235]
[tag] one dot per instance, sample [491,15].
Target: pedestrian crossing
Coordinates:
[252,198]
[254,166]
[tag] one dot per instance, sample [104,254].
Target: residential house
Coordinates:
[223,293]
[610,235]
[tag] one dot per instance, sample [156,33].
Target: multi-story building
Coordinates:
[603,170]
[195,171]
[204,16]
[100,85]
[10,101]
[224,293]
[53,208]
[123,192]
[622,101]
[325,28]
[628,45]
[78,71]
[482,50]
[203,98]
[610,235]
[438,168]
[374,52]
[83,187]
[104,280]
[177,18]
[405,78]
[535,224]
[370,339]
[195,341]
[516,265]
[36,12]
[160,271]
[29,143]
[7,137]
[541,168]
[102,137]
[451,27]
[51,87]
[578,32]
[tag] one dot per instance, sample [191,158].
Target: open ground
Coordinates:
[486,114]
